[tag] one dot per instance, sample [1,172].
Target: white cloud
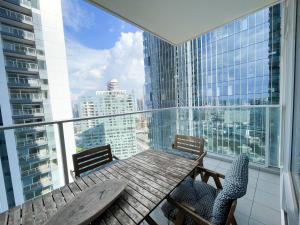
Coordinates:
[75,17]
[90,69]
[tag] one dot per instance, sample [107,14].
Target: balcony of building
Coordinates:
[23,83]
[28,112]
[16,19]
[22,6]
[155,130]
[12,33]
[17,50]
[17,65]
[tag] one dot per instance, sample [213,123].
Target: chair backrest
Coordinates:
[91,159]
[234,187]
[194,145]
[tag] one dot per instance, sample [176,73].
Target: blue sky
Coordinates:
[101,47]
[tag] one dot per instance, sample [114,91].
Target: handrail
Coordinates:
[15,126]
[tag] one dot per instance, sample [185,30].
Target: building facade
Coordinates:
[234,72]
[33,69]
[119,132]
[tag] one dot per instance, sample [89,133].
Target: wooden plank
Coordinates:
[50,205]
[90,204]
[152,172]
[170,175]
[93,166]
[179,162]
[110,219]
[4,218]
[90,156]
[14,216]
[139,182]
[121,216]
[125,202]
[94,178]
[58,198]
[163,165]
[88,181]
[27,213]
[164,161]
[144,197]
[74,189]
[68,195]
[105,149]
[168,156]
[130,211]
[142,178]
[163,182]
[81,184]
[39,211]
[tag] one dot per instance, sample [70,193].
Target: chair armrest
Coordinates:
[201,157]
[115,157]
[188,211]
[206,174]
[73,175]
[210,172]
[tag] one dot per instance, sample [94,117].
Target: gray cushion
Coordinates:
[196,194]
[182,154]
[234,187]
[204,198]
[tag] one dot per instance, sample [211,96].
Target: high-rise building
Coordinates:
[34,88]
[235,65]
[119,131]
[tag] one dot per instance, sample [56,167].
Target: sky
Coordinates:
[101,47]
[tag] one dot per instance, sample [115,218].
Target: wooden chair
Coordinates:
[236,187]
[91,159]
[186,210]
[193,146]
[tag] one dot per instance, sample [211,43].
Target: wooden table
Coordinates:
[151,176]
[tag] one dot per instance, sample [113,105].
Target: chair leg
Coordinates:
[233,221]
[179,218]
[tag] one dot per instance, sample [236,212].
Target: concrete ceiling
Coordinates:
[177,21]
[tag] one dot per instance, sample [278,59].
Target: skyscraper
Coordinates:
[34,88]
[119,132]
[235,65]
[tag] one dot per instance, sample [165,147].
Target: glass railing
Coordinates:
[31,82]
[21,65]
[228,131]
[20,112]
[15,16]
[24,3]
[19,48]
[16,32]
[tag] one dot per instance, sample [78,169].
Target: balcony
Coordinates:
[15,18]
[24,3]
[22,143]
[19,50]
[22,82]
[16,65]
[16,34]
[28,112]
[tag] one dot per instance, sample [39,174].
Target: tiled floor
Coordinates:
[260,206]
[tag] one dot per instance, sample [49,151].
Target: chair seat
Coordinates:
[182,154]
[196,194]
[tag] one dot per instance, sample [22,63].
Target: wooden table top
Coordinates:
[151,176]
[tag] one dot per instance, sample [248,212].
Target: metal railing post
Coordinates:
[267,138]
[63,152]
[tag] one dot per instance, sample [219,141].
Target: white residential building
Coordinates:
[34,87]
[119,131]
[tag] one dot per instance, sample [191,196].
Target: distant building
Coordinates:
[34,87]
[119,132]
